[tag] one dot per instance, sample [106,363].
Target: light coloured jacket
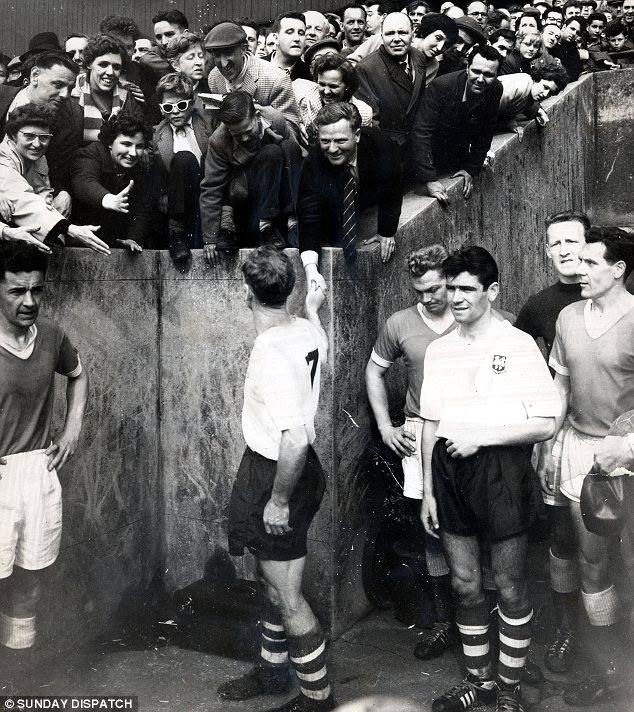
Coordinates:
[29,190]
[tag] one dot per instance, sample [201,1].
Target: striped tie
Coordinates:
[349,232]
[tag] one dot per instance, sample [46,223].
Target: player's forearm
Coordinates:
[293,450]
[76,398]
[313,317]
[534,430]
[428,440]
[377,395]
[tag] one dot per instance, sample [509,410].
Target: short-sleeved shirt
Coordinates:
[27,388]
[406,335]
[601,369]
[281,390]
[501,379]
[539,314]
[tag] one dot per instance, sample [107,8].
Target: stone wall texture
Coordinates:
[145,496]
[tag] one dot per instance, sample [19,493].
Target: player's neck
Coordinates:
[615,298]
[266,318]
[12,333]
[477,329]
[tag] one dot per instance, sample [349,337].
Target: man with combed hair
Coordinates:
[565,238]
[316,27]
[32,350]
[353,22]
[406,335]
[280,482]
[168,24]
[457,123]
[290,30]
[235,69]
[593,359]
[252,164]
[346,172]
[486,398]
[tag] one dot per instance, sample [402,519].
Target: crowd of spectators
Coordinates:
[241,133]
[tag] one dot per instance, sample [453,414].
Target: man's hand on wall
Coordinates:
[388,245]
[467,183]
[437,190]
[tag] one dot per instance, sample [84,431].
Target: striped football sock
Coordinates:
[274,650]
[308,658]
[515,640]
[473,625]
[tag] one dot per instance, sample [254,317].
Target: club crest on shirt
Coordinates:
[499,363]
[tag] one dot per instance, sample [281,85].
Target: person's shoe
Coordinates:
[466,696]
[509,701]
[227,241]
[442,636]
[301,703]
[179,250]
[596,690]
[270,236]
[258,681]
[532,674]
[560,653]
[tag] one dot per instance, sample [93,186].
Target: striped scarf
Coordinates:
[93,118]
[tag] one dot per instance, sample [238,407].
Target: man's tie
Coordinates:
[405,67]
[350,219]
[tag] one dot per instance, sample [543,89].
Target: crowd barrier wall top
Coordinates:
[167,352]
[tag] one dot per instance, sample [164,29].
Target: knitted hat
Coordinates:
[435,21]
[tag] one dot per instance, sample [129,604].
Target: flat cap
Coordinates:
[225,34]
[472,27]
[334,44]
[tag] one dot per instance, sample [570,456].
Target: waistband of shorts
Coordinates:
[25,455]
[414,419]
[585,437]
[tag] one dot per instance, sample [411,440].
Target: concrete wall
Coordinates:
[167,353]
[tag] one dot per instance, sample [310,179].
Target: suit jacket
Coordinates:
[514,63]
[321,186]
[68,137]
[163,143]
[6,97]
[268,85]
[224,156]
[94,175]
[455,134]
[568,54]
[395,100]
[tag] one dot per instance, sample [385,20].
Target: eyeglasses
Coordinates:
[32,137]
[168,108]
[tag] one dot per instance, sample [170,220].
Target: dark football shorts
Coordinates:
[493,494]
[251,492]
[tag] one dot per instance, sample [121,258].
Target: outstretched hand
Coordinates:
[118,202]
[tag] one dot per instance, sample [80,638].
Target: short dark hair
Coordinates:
[18,257]
[386,6]
[174,17]
[572,3]
[410,7]
[552,73]
[615,28]
[588,3]
[176,83]
[569,216]
[181,44]
[235,107]
[619,245]
[28,115]
[505,33]
[51,58]
[75,34]
[270,274]
[558,10]
[353,6]
[487,52]
[328,62]
[425,259]
[248,22]
[124,124]
[534,15]
[495,18]
[331,113]
[104,44]
[476,261]
[597,16]
[576,18]
[119,25]
[277,25]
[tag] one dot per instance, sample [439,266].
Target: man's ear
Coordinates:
[35,73]
[493,291]
[618,269]
[357,135]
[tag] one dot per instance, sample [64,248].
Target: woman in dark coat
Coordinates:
[111,186]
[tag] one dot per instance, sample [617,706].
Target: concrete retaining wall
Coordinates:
[167,353]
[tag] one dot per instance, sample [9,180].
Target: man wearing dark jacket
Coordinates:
[350,170]
[458,119]
[392,82]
